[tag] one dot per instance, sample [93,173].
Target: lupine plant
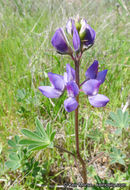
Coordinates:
[83,38]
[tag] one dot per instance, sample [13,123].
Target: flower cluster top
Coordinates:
[83,37]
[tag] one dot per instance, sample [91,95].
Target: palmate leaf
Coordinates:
[117,156]
[15,155]
[38,139]
[13,164]
[119,119]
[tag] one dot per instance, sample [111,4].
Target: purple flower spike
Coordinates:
[59,41]
[98,100]
[50,92]
[76,38]
[70,104]
[91,87]
[72,89]
[92,71]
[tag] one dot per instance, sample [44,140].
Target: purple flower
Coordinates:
[92,73]
[92,83]
[72,30]
[76,38]
[57,88]
[59,41]
[69,29]
[70,103]
[69,75]
[59,84]
[98,100]
[86,33]
[82,33]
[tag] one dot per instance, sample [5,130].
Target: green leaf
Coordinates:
[40,128]
[31,135]
[121,161]
[119,119]
[16,139]
[120,114]
[52,136]
[20,94]
[14,156]
[49,129]
[29,142]
[118,131]
[12,143]
[114,117]
[126,119]
[51,145]
[12,164]
[35,147]
[117,156]
[110,122]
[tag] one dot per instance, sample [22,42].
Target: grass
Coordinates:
[26,55]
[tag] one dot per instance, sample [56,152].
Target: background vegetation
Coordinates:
[26,56]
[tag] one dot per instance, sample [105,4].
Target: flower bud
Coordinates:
[59,41]
[77,23]
[78,26]
[87,34]
[76,38]
[83,29]
[69,29]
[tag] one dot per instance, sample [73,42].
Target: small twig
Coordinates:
[64,150]
[95,158]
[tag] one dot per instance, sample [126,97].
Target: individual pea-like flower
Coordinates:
[59,41]
[76,38]
[92,83]
[69,29]
[85,33]
[59,85]
[72,29]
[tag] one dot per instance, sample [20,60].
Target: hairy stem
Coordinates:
[84,174]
